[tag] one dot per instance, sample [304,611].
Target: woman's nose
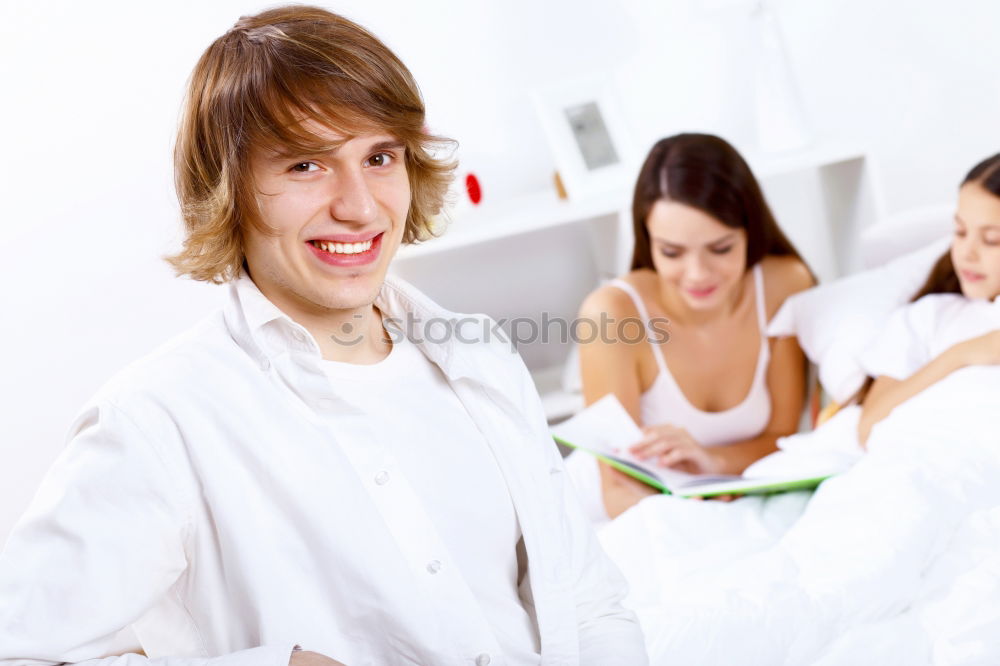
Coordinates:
[696,270]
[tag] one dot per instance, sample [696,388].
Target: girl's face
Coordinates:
[696,254]
[975,250]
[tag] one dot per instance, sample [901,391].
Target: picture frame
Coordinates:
[588,135]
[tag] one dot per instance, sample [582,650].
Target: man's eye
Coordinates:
[722,250]
[304,167]
[379,160]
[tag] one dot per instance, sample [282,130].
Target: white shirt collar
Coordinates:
[264,331]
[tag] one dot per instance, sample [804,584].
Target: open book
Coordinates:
[606,430]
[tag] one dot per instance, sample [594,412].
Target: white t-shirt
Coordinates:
[919,332]
[473,511]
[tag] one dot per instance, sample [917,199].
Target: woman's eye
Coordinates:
[379,160]
[305,167]
[722,250]
[670,254]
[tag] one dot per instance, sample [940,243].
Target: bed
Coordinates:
[896,561]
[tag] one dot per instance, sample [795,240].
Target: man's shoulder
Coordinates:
[188,360]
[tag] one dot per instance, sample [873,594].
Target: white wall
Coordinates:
[91,93]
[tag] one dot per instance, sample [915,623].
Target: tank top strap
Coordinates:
[758,279]
[633,293]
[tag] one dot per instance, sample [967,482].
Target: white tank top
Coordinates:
[665,402]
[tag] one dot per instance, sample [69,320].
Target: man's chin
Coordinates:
[352,295]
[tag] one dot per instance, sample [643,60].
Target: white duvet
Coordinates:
[896,561]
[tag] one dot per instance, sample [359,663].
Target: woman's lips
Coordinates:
[700,292]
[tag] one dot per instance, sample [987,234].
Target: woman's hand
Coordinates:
[670,446]
[981,350]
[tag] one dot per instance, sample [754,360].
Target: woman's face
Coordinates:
[975,250]
[696,254]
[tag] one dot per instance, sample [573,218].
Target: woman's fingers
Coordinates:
[674,457]
[653,433]
[660,440]
[653,448]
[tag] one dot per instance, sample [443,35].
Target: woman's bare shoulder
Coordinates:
[783,277]
[616,301]
[607,299]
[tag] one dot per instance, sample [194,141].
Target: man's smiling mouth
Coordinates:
[343,248]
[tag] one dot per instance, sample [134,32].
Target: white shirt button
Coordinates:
[265,364]
[433,567]
[382,478]
[299,335]
[483,659]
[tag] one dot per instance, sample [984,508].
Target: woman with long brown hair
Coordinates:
[954,320]
[710,268]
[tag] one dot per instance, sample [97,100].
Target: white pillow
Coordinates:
[834,322]
[905,232]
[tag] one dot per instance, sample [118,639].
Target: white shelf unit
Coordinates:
[537,256]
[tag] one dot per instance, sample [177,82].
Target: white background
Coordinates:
[91,92]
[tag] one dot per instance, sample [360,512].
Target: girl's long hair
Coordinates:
[943,279]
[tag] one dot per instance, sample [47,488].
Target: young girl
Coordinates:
[710,267]
[954,320]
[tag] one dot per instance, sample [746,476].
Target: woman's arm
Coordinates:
[786,375]
[888,393]
[786,384]
[608,365]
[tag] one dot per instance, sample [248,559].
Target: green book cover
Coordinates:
[605,428]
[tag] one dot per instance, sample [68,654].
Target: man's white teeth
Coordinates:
[343,248]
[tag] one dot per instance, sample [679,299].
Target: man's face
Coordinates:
[339,218]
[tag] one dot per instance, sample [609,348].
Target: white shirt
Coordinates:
[205,498]
[427,451]
[919,332]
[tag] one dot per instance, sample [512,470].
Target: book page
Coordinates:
[606,429]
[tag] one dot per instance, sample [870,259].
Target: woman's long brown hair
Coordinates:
[705,172]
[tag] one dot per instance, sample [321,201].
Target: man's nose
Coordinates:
[352,199]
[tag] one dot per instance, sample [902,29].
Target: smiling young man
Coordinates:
[291,472]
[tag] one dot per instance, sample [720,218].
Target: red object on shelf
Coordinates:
[473,188]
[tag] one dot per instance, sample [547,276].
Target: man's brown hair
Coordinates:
[264,85]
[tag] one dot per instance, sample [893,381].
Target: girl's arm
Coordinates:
[887,393]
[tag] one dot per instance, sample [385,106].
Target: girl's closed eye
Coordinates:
[722,250]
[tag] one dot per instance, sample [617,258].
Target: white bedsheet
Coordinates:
[895,561]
